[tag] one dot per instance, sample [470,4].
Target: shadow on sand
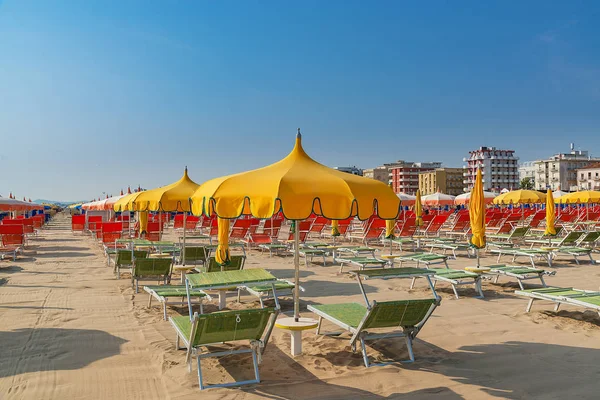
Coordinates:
[54,349]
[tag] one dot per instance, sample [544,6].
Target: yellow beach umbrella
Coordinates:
[173,197]
[477,214]
[521,197]
[583,197]
[297,186]
[418,209]
[550,230]
[126,203]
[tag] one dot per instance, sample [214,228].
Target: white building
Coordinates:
[498,167]
[527,170]
[588,178]
[559,172]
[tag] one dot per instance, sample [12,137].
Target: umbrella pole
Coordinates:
[159,225]
[477,255]
[183,243]
[297,270]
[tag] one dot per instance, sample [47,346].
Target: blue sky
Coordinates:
[98,95]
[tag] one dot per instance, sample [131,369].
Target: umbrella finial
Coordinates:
[298,135]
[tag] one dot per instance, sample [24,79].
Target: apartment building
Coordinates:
[560,170]
[498,167]
[380,173]
[404,175]
[588,178]
[446,180]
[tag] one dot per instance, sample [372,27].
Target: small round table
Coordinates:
[296,328]
[478,270]
[390,258]
[183,269]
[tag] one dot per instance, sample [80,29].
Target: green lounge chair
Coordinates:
[193,255]
[225,280]
[163,293]
[236,263]
[361,262]
[457,278]
[408,315]
[518,233]
[425,258]
[582,298]
[311,253]
[576,252]
[357,251]
[159,268]
[589,240]
[569,240]
[265,292]
[520,252]
[453,247]
[125,259]
[205,330]
[521,273]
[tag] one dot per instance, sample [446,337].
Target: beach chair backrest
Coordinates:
[229,326]
[236,263]
[124,256]
[240,228]
[408,228]
[147,267]
[78,223]
[272,227]
[435,224]
[11,239]
[195,253]
[590,237]
[405,313]
[571,238]
[519,232]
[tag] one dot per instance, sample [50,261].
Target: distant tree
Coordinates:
[526,183]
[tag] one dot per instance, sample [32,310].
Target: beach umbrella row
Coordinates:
[8,204]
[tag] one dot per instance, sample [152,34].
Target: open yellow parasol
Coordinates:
[297,186]
[583,197]
[521,196]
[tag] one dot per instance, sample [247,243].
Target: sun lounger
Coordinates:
[308,252]
[457,278]
[236,263]
[582,298]
[226,280]
[516,234]
[425,258]
[569,240]
[193,255]
[452,246]
[576,252]
[361,262]
[124,260]
[520,252]
[519,272]
[254,326]
[357,250]
[163,293]
[156,268]
[265,292]
[393,273]
[406,317]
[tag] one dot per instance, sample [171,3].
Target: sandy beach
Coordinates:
[70,330]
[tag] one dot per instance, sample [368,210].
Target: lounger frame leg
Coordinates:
[256,379]
[529,304]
